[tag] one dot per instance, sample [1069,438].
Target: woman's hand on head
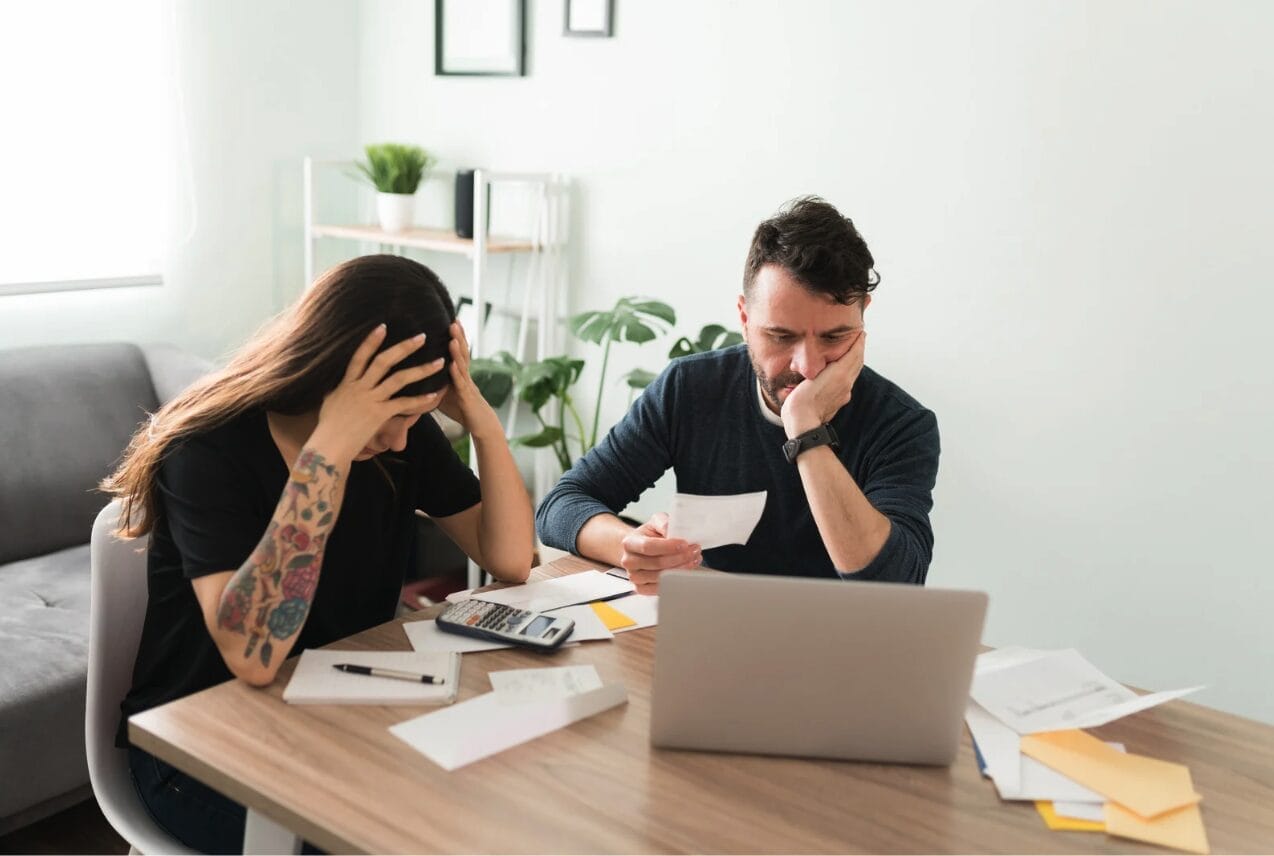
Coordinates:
[464,402]
[363,401]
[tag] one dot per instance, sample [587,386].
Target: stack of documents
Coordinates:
[1026,711]
[600,604]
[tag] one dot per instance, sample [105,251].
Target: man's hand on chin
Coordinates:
[814,402]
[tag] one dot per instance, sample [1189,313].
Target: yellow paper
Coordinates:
[1147,786]
[1053,820]
[1181,829]
[611,617]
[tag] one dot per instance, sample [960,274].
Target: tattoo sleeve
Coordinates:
[268,599]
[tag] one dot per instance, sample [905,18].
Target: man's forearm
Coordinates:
[853,531]
[600,538]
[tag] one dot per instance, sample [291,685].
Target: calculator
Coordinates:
[507,624]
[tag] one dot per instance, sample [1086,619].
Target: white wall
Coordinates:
[263,84]
[1069,203]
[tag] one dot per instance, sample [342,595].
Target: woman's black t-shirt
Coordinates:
[217,493]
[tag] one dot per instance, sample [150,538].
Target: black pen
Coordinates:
[388,673]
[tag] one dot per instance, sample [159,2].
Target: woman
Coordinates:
[279,495]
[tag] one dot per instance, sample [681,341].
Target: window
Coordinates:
[83,155]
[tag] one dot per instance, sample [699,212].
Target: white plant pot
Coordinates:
[395,211]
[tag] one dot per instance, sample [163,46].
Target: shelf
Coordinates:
[438,240]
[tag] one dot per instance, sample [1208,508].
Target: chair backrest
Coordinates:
[117,607]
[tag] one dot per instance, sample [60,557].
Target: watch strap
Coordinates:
[823,435]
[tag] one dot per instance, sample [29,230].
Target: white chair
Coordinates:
[117,606]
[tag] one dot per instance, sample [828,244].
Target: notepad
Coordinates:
[316,682]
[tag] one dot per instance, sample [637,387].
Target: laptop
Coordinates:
[813,667]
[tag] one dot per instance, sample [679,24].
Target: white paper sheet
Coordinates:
[642,608]
[482,726]
[1057,691]
[1039,782]
[714,521]
[1000,747]
[569,590]
[425,636]
[588,626]
[520,685]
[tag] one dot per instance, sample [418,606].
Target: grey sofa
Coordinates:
[66,414]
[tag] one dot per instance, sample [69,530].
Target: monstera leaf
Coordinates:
[631,320]
[711,337]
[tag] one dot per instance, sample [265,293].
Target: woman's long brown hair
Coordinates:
[291,365]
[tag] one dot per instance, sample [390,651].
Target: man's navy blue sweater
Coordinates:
[701,417]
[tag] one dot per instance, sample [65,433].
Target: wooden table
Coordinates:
[337,777]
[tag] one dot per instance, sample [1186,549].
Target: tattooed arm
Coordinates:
[255,613]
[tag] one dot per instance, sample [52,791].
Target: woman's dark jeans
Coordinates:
[186,808]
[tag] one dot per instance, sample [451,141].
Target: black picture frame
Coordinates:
[605,31]
[511,46]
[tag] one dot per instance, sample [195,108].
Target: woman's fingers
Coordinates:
[405,377]
[459,345]
[391,357]
[410,405]
[358,363]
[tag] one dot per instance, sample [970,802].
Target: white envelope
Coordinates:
[482,726]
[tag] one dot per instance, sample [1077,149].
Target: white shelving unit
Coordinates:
[544,242]
[542,239]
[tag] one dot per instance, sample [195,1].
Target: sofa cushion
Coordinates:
[66,414]
[43,619]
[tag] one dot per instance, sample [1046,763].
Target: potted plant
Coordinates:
[545,386]
[395,170]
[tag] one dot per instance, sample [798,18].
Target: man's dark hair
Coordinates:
[812,241]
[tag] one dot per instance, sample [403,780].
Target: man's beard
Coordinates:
[771,387]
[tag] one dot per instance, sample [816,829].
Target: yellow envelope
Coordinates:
[1181,829]
[1053,820]
[1147,786]
[611,617]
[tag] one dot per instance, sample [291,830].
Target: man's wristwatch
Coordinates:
[823,435]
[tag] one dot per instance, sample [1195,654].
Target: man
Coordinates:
[848,459]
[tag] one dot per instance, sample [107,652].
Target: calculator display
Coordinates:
[538,626]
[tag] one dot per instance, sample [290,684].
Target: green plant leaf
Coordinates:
[395,167]
[545,437]
[708,336]
[633,330]
[494,377]
[660,310]
[711,337]
[683,347]
[639,378]
[591,326]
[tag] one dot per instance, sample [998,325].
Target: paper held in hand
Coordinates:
[714,521]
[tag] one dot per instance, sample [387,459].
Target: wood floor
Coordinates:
[78,829]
